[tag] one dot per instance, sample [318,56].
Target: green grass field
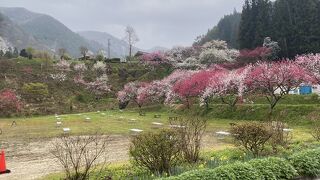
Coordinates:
[113,122]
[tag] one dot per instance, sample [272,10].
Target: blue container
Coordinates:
[305,90]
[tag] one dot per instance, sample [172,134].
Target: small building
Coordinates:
[305,90]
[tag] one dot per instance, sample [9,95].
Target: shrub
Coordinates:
[229,155]
[315,131]
[251,136]
[274,168]
[279,136]
[80,155]
[35,90]
[9,103]
[204,174]
[191,134]
[307,163]
[243,171]
[156,151]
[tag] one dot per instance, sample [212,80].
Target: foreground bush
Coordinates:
[191,135]
[236,171]
[157,151]
[251,136]
[274,168]
[80,156]
[307,163]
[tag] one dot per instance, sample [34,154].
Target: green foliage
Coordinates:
[251,136]
[307,163]
[123,172]
[229,155]
[274,168]
[36,89]
[243,171]
[158,151]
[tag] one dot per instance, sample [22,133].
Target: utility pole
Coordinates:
[109,44]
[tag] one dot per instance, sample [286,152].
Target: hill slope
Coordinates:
[13,35]
[47,31]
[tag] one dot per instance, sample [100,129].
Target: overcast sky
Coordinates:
[157,22]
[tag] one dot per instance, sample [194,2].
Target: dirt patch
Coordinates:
[31,159]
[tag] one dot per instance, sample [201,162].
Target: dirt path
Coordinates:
[32,160]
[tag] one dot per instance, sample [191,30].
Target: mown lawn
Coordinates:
[117,122]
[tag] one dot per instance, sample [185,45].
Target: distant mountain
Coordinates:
[47,31]
[118,47]
[12,35]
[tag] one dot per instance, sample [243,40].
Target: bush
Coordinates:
[80,156]
[274,168]
[35,90]
[251,136]
[191,135]
[315,131]
[243,171]
[307,163]
[157,151]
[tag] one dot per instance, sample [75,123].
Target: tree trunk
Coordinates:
[130,50]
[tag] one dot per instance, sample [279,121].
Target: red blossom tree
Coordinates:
[9,103]
[247,56]
[192,86]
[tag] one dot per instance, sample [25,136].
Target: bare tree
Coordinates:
[62,52]
[80,155]
[131,38]
[191,131]
[84,50]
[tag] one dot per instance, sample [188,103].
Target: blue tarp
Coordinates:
[305,90]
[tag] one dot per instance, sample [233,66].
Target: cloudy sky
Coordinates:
[157,22]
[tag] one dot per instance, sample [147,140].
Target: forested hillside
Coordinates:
[226,30]
[294,24]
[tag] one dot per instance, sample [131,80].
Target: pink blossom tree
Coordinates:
[229,86]
[99,87]
[154,58]
[310,63]
[9,103]
[252,56]
[274,80]
[131,92]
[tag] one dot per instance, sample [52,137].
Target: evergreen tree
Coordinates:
[245,35]
[15,52]
[226,30]
[255,23]
[1,53]
[296,26]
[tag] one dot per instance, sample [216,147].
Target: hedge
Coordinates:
[305,164]
[274,168]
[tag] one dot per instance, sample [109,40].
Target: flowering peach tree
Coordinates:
[9,102]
